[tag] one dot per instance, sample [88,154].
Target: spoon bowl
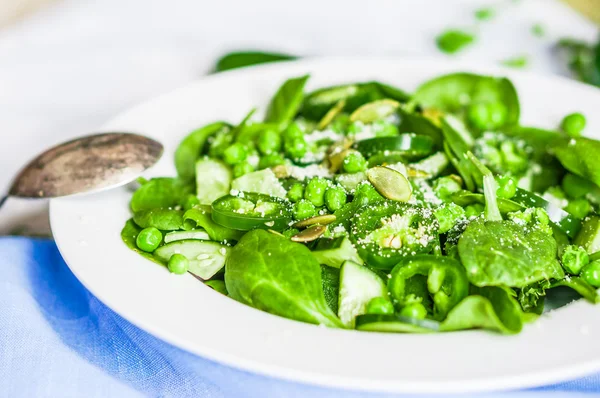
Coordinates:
[87,164]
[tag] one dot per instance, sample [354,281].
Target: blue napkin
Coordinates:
[58,340]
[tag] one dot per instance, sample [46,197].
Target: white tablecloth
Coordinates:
[69,68]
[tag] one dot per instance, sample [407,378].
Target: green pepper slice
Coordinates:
[387,231]
[250,210]
[447,281]
[564,221]
[411,146]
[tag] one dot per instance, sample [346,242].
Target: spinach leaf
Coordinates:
[331,286]
[286,102]
[583,59]
[163,219]
[190,149]
[503,253]
[580,156]
[200,217]
[531,297]
[273,274]
[129,234]
[490,308]
[453,93]
[240,59]
[160,192]
[453,40]
[583,288]
[319,102]
[418,124]
[217,285]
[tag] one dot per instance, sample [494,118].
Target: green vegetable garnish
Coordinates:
[454,40]
[362,206]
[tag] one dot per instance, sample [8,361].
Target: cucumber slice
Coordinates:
[358,286]
[262,181]
[213,179]
[395,324]
[433,165]
[333,252]
[589,236]
[206,258]
[198,234]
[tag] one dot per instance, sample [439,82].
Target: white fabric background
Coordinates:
[69,68]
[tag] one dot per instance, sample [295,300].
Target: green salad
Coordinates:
[363,206]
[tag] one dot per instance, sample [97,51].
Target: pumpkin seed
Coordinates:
[275,232]
[309,234]
[331,114]
[281,171]
[316,220]
[434,115]
[376,110]
[416,173]
[390,183]
[337,152]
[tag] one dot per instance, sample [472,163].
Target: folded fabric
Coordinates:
[58,340]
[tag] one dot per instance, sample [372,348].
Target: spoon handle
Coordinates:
[3,199]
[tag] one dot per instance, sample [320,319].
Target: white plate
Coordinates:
[190,315]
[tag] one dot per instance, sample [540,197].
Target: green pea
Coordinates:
[219,142]
[296,192]
[580,208]
[381,128]
[576,187]
[448,215]
[574,258]
[295,148]
[178,264]
[513,161]
[315,191]
[507,187]
[354,162]
[380,305]
[269,141]
[292,131]
[591,273]
[335,198]
[474,210]
[148,239]
[304,209]
[573,124]
[242,168]
[445,187]
[497,112]
[235,153]
[366,193]
[414,310]
[487,115]
[340,123]
[274,159]
[356,128]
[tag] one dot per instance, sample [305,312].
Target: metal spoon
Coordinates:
[88,164]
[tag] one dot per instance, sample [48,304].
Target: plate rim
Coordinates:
[532,379]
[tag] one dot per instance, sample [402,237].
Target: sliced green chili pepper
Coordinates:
[251,210]
[386,232]
[411,146]
[446,281]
